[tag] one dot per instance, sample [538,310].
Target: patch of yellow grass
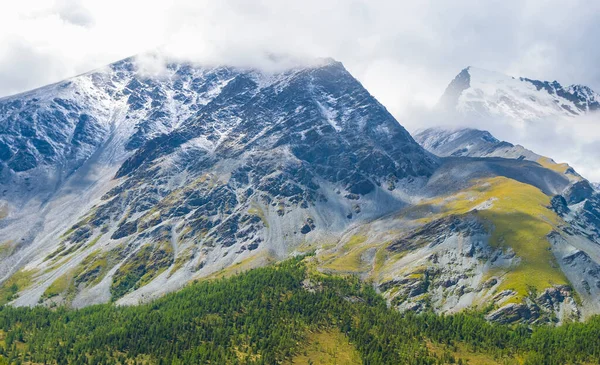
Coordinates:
[350,262]
[380,258]
[561,168]
[310,246]
[355,240]
[326,348]
[95,240]
[520,221]
[260,259]
[19,281]
[6,248]
[349,257]
[59,286]
[96,262]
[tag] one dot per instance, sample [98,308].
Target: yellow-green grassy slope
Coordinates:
[327,348]
[516,214]
[520,220]
[561,168]
[20,280]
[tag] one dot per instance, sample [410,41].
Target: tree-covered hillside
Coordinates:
[282,314]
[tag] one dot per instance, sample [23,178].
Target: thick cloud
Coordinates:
[404,52]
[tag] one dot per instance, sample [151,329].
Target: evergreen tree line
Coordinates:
[262,317]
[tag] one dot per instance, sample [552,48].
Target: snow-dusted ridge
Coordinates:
[477,93]
[224,164]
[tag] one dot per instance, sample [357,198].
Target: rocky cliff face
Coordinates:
[572,238]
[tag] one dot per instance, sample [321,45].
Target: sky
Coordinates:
[404,52]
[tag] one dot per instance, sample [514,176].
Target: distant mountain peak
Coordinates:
[451,95]
[477,92]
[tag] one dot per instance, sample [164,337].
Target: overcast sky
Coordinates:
[404,52]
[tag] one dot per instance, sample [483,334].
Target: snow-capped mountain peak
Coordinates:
[476,93]
[205,166]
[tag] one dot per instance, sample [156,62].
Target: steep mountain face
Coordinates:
[476,93]
[142,184]
[64,142]
[63,138]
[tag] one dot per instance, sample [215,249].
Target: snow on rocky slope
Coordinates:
[478,93]
[122,187]
[62,144]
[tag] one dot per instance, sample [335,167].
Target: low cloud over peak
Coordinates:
[405,53]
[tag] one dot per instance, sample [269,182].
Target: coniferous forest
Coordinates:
[264,316]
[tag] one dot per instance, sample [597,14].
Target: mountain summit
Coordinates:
[127,186]
[476,92]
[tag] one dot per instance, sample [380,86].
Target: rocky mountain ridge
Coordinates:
[477,93]
[190,174]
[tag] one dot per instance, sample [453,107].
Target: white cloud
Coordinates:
[424,43]
[72,11]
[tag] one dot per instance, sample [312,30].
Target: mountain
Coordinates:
[475,93]
[476,96]
[574,238]
[118,186]
[121,187]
